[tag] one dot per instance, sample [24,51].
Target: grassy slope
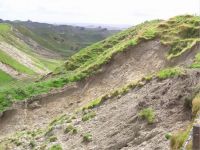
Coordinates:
[6,59]
[5,78]
[90,59]
[64,39]
[8,36]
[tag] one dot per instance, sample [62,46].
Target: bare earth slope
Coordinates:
[133,64]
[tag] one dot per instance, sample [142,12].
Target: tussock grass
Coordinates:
[87,137]
[148,114]
[177,139]
[196,105]
[71,128]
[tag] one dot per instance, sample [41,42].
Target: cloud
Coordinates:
[95,11]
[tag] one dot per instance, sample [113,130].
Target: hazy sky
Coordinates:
[95,11]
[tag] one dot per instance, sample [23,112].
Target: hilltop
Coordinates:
[138,89]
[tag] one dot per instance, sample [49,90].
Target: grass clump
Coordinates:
[168,136]
[196,63]
[196,105]
[89,115]
[148,114]
[53,139]
[56,147]
[170,72]
[87,137]
[32,144]
[59,120]
[71,128]
[177,140]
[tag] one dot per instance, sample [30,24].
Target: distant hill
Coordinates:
[65,39]
[31,48]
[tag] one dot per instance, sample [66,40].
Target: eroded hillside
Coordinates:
[30,49]
[133,90]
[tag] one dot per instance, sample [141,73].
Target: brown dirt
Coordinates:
[131,65]
[12,72]
[117,125]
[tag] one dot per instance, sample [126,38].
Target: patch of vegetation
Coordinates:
[148,114]
[68,42]
[89,115]
[196,105]
[6,59]
[181,33]
[32,144]
[56,147]
[59,120]
[71,128]
[4,27]
[168,136]
[177,140]
[118,92]
[4,78]
[87,137]
[53,139]
[170,72]
[180,29]
[196,63]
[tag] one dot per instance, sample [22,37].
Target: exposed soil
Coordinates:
[21,57]
[12,72]
[117,125]
[117,119]
[37,49]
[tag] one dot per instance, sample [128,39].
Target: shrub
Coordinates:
[147,114]
[87,137]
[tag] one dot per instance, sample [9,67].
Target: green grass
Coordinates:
[177,140]
[170,72]
[148,114]
[70,128]
[68,42]
[6,59]
[5,27]
[181,33]
[87,137]
[196,63]
[89,60]
[56,147]
[5,78]
[88,116]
